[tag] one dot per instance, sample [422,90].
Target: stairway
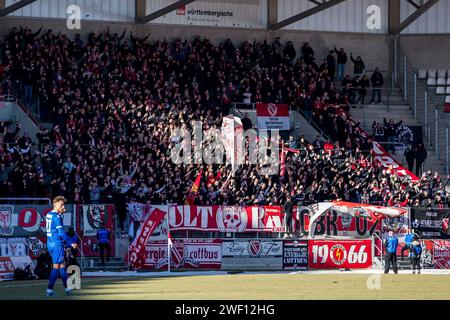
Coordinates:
[114,264]
[397,110]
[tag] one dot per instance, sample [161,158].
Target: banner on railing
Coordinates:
[14,247]
[325,219]
[6,269]
[380,155]
[22,228]
[435,254]
[431,223]
[273,116]
[408,135]
[27,220]
[344,219]
[256,254]
[336,254]
[295,255]
[226,218]
[185,254]
[90,218]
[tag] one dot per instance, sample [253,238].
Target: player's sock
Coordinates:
[63,274]
[53,278]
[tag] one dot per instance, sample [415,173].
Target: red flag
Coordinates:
[212,179]
[194,189]
[136,250]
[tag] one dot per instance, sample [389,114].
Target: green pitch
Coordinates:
[241,287]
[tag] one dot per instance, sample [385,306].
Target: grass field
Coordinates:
[241,287]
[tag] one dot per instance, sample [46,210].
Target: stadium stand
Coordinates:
[114,102]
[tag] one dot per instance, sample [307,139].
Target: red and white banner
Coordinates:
[343,219]
[273,116]
[226,218]
[90,218]
[137,248]
[441,254]
[6,269]
[339,218]
[336,254]
[186,254]
[380,155]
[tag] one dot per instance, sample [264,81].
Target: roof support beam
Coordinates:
[315,2]
[141,9]
[272,12]
[422,9]
[14,7]
[415,5]
[323,6]
[163,11]
[394,16]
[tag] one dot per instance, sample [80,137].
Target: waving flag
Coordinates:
[136,250]
[194,189]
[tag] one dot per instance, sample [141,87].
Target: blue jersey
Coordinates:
[54,229]
[409,238]
[416,251]
[392,244]
[103,236]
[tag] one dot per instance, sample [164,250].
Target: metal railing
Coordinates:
[377,249]
[26,200]
[8,98]
[427,107]
[369,97]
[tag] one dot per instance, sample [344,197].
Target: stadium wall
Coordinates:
[106,10]
[373,48]
[435,20]
[427,51]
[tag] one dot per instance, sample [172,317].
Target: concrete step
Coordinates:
[106,268]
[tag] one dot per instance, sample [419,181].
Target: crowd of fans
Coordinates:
[115,102]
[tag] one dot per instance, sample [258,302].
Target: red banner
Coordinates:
[380,155]
[89,220]
[6,269]
[441,254]
[226,218]
[336,254]
[137,248]
[186,254]
[435,254]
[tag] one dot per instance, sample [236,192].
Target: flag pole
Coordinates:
[169,251]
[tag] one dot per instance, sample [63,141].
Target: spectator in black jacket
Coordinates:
[289,52]
[341,61]
[421,156]
[246,123]
[377,83]
[390,132]
[288,205]
[410,157]
[365,84]
[359,65]
[308,53]
[331,62]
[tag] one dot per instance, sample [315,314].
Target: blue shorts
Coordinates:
[57,252]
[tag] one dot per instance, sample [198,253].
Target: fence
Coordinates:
[427,107]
